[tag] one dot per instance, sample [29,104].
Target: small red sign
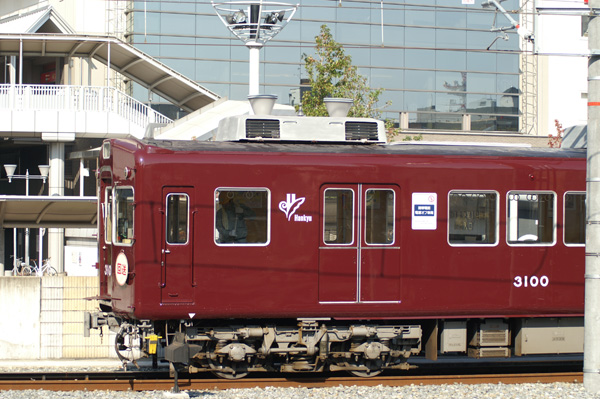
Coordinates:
[48,77]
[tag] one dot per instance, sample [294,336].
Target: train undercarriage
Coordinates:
[311,346]
[362,348]
[230,351]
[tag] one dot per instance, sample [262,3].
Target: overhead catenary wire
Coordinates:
[351,4]
[356,5]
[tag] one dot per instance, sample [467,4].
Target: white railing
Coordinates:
[78,98]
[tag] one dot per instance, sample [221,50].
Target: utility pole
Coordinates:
[591,341]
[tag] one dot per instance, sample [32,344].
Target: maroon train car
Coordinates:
[282,253]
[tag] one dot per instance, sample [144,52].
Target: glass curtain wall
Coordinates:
[436,59]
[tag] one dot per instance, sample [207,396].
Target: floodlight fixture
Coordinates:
[255,22]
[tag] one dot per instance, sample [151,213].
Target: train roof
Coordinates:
[438,149]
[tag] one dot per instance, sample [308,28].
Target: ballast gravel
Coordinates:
[487,391]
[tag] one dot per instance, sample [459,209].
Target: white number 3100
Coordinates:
[531,281]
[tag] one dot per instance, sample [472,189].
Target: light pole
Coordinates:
[10,172]
[254,22]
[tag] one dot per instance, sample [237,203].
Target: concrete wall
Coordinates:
[42,318]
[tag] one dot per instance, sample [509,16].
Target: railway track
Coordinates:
[133,383]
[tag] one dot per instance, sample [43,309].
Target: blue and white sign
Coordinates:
[424,211]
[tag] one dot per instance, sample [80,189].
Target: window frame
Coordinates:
[353,217]
[267,215]
[107,216]
[187,227]
[366,216]
[565,216]
[554,219]
[497,221]
[115,218]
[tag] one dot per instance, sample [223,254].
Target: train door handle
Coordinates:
[166,251]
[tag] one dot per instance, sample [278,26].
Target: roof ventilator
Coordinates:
[262,128]
[361,131]
[260,125]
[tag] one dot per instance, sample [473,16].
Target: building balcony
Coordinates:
[74,111]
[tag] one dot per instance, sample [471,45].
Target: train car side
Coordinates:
[295,272]
[340,234]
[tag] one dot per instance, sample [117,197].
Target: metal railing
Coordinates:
[78,98]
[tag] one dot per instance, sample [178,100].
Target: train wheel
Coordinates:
[366,368]
[229,370]
[231,365]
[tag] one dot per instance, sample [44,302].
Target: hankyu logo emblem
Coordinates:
[291,205]
[121,269]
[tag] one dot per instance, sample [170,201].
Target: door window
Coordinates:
[339,217]
[108,215]
[379,216]
[124,215]
[177,218]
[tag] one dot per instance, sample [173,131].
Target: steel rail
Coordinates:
[300,382]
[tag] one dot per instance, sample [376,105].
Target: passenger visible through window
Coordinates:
[242,216]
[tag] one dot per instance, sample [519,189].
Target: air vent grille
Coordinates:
[489,352]
[361,131]
[262,128]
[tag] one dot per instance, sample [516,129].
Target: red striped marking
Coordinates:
[594,104]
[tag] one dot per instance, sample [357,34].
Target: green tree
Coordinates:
[331,74]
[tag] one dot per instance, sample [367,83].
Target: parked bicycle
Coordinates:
[46,270]
[21,268]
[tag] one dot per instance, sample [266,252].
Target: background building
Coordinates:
[561,75]
[436,60]
[61,93]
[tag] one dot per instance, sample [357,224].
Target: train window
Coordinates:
[242,216]
[177,218]
[574,219]
[123,197]
[473,218]
[108,215]
[106,150]
[339,216]
[531,218]
[379,216]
